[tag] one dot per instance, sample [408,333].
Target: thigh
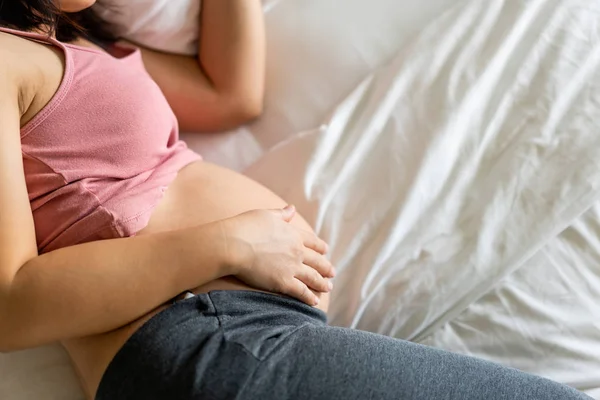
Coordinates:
[326,363]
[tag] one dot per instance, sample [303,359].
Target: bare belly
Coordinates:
[201,193]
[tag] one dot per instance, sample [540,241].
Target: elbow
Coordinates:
[10,340]
[252,110]
[221,115]
[244,111]
[5,348]
[7,338]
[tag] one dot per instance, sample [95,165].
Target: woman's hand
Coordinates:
[269,253]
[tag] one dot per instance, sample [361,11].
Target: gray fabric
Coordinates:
[250,345]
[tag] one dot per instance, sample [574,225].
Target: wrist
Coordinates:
[224,251]
[236,253]
[200,254]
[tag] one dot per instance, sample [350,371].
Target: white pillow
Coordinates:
[166,25]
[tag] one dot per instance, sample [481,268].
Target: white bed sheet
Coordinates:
[543,318]
[318,51]
[458,187]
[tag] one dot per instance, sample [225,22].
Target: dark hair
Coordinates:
[28,15]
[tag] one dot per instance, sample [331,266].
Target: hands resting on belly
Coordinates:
[269,253]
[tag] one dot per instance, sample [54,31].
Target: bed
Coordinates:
[448,153]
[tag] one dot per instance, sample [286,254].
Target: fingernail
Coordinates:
[330,285]
[316,302]
[333,271]
[289,211]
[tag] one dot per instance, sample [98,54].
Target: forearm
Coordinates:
[232,48]
[223,87]
[100,286]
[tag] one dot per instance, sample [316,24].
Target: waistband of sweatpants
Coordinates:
[240,302]
[226,303]
[232,302]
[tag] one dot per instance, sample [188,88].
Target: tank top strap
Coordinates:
[33,35]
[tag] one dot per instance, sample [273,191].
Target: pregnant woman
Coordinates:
[166,277]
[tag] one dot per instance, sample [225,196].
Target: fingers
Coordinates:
[318,262]
[300,291]
[314,280]
[314,242]
[287,214]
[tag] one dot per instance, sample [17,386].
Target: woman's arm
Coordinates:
[91,288]
[100,286]
[224,87]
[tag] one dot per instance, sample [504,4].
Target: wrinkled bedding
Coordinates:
[458,187]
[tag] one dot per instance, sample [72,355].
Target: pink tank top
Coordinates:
[100,155]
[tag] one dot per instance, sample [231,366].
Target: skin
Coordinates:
[92,297]
[75,5]
[224,86]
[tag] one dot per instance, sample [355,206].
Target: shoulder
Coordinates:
[10,79]
[13,49]
[12,65]
[20,66]
[7,52]
[20,54]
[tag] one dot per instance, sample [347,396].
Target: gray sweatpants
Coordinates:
[249,345]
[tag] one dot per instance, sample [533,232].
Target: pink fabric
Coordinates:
[100,155]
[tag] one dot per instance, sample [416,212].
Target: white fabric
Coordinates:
[544,317]
[166,25]
[450,185]
[382,180]
[44,373]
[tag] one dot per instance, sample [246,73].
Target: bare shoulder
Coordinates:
[13,68]
[31,69]
[13,51]
[8,54]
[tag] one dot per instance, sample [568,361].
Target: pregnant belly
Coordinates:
[201,193]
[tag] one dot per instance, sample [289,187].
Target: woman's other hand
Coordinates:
[269,253]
